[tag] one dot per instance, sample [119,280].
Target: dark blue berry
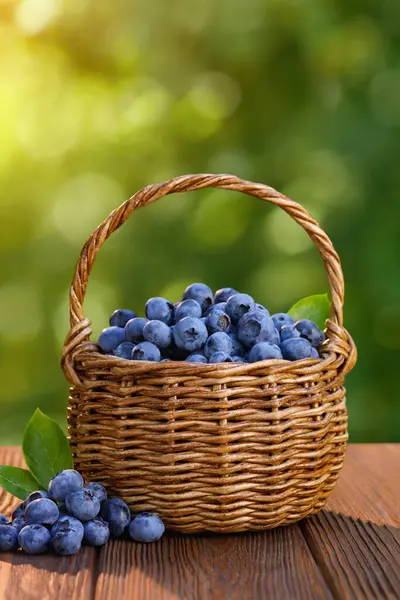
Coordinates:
[67,522]
[146,351]
[224,294]
[264,351]
[98,490]
[213,307]
[218,321]
[18,511]
[311,332]
[66,540]
[288,331]
[110,338]
[34,539]
[158,333]
[238,359]
[41,512]
[96,532]
[296,349]
[220,357]
[134,330]
[35,496]
[117,514]
[238,305]
[121,316]
[19,523]
[198,358]
[237,347]
[83,505]
[218,342]
[261,307]
[124,350]
[159,309]
[188,308]
[65,483]
[281,319]
[3,519]
[190,334]
[256,326]
[201,293]
[8,537]
[146,528]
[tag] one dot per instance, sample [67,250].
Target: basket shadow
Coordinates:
[258,564]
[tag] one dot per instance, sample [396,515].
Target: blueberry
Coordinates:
[3,519]
[220,357]
[34,539]
[146,528]
[159,309]
[19,523]
[314,353]
[8,537]
[218,342]
[256,326]
[238,359]
[98,490]
[121,317]
[288,331]
[67,522]
[97,532]
[264,351]
[66,541]
[198,358]
[261,307]
[65,483]
[41,512]
[311,332]
[18,511]
[35,496]
[134,330]
[213,307]
[83,505]
[124,350]
[110,338]
[224,294]
[158,333]
[296,349]
[190,334]
[237,347]
[238,305]
[146,351]
[218,321]
[281,319]
[201,293]
[203,320]
[188,308]
[117,515]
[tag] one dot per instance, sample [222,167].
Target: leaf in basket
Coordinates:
[315,308]
[18,482]
[46,448]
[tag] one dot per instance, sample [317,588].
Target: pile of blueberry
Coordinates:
[205,328]
[70,514]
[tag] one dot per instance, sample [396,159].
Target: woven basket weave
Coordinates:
[218,447]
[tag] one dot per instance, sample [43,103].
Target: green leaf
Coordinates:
[315,308]
[46,448]
[18,482]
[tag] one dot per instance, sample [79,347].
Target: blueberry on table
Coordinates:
[98,490]
[264,351]
[197,358]
[134,330]
[3,519]
[96,532]
[34,539]
[201,293]
[188,308]
[254,327]
[67,522]
[282,319]
[117,514]
[66,540]
[238,305]
[288,331]
[218,342]
[110,338]
[311,332]
[124,350]
[159,309]
[158,333]
[224,294]
[19,523]
[146,528]
[65,483]
[218,320]
[146,351]
[296,349]
[35,496]
[8,537]
[190,334]
[41,512]
[121,317]
[83,505]
[220,357]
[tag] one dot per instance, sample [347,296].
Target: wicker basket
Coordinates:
[218,447]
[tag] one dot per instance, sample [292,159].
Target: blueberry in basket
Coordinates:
[205,327]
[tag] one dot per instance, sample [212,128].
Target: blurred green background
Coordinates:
[100,98]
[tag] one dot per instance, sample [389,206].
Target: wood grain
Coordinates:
[349,551]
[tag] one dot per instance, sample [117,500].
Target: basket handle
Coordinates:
[80,326]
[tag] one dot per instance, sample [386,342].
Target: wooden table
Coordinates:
[349,550]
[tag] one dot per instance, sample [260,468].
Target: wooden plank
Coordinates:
[356,540]
[273,564]
[43,577]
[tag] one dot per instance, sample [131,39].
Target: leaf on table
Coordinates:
[18,482]
[46,448]
[315,308]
